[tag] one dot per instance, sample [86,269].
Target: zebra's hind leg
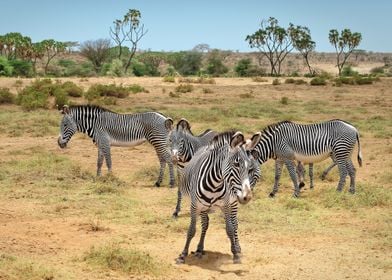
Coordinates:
[326,171]
[204,226]
[99,162]
[343,174]
[190,235]
[291,168]
[278,172]
[351,172]
[162,163]
[311,175]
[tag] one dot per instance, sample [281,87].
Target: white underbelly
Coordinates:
[126,143]
[311,158]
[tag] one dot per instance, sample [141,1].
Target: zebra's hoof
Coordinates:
[175,215]
[351,191]
[272,195]
[198,254]
[322,177]
[236,259]
[157,184]
[295,195]
[180,259]
[301,185]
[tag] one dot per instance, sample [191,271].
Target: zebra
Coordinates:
[107,128]
[287,141]
[183,145]
[218,175]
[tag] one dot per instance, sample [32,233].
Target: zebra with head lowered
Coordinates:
[107,128]
[218,175]
[183,145]
[287,142]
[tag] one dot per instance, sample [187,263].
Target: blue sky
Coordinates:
[181,24]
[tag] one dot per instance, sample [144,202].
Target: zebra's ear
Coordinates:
[250,144]
[237,139]
[184,124]
[65,110]
[169,124]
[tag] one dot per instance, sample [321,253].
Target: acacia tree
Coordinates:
[128,29]
[51,48]
[302,41]
[96,51]
[273,42]
[344,45]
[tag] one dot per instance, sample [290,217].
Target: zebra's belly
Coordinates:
[312,158]
[127,143]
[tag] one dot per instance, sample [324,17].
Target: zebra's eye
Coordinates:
[236,163]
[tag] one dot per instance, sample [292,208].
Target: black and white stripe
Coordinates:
[107,128]
[218,175]
[287,142]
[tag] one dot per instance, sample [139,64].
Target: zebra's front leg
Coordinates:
[231,230]
[204,226]
[190,235]
[301,174]
[178,206]
[291,168]
[278,172]
[171,173]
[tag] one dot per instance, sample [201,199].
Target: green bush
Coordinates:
[6,97]
[21,68]
[139,69]
[5,67]
[318,81]
[99,90]
[31,98]
[289,81]
[300,82]
[60,97]
[245,68]
[215,64]
[115,68]
[364,80]
[186,62]
[169,79]
[347,71]
[135,88]
[377,70]
[276,82]
[284,100]
[259,79]
[184,88]
[71,89]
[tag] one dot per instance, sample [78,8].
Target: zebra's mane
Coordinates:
[204,133]
[222,137]
[272,127]
[91,107]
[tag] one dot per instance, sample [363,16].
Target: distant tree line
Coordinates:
[119,55]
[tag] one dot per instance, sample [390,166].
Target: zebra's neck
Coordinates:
[265,148]
[85,118]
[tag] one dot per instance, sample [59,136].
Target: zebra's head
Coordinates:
[178,143]
[240,172]
[67,127]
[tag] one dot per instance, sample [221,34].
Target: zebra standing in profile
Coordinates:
[218,175]
[287,142]
[183,145]
[108,128]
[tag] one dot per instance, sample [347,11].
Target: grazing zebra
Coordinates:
[183,145]
[108,128]
[301,173]
[287,142]
[218,175]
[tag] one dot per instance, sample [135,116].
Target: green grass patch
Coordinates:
[12,267]
[130,261]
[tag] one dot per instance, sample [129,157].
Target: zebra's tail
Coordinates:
[359,151]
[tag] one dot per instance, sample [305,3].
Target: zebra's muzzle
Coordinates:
[62,145]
